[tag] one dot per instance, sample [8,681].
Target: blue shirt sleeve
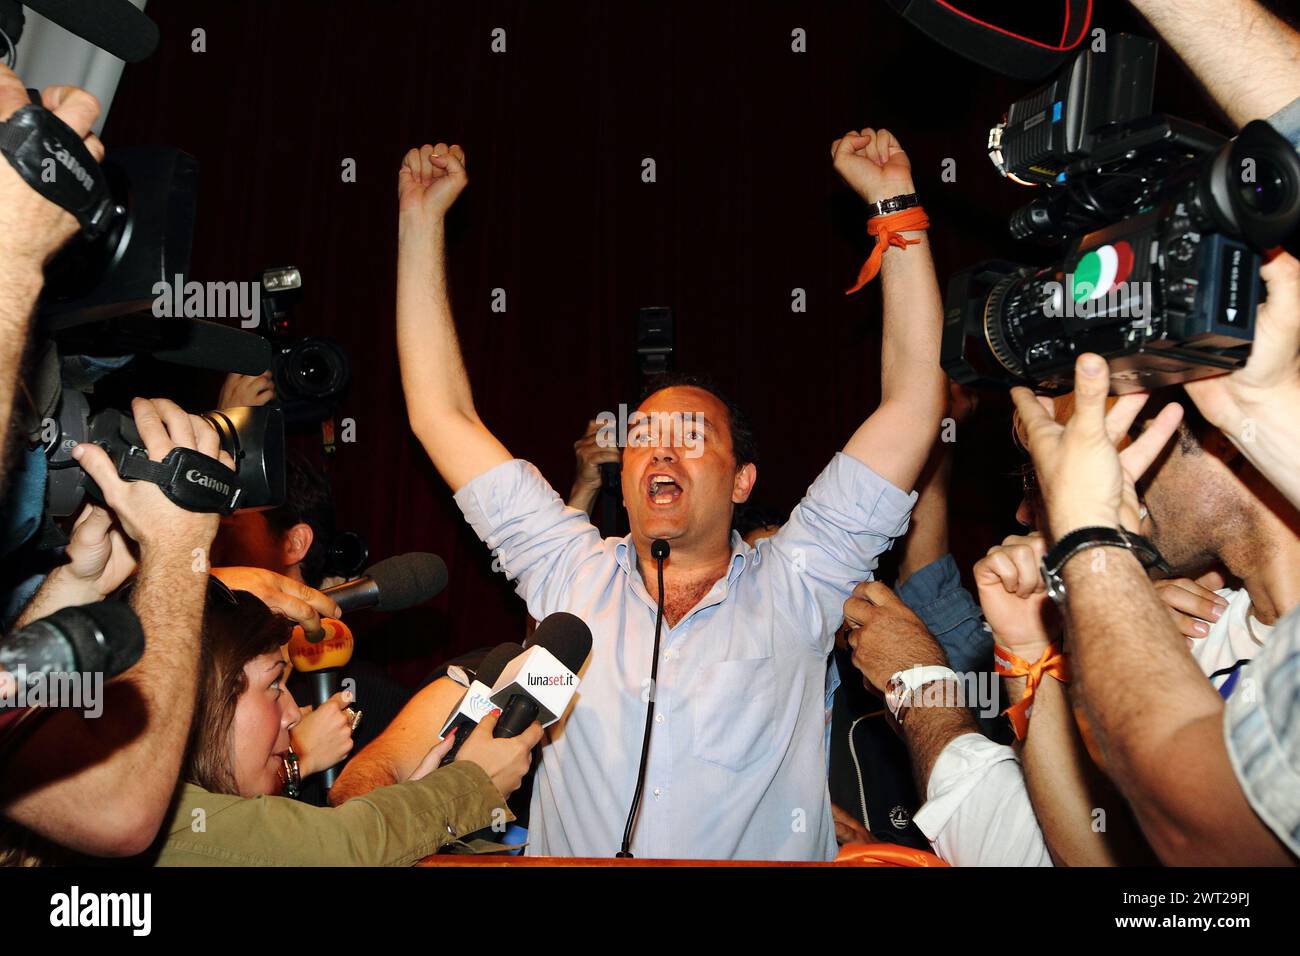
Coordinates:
[537,540]
[1287,122]
[834,540]
[951,614]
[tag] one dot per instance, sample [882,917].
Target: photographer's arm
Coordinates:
[32,229]
[438,399]
[896,439]
[102,785]
[1156,720]
[1253,81]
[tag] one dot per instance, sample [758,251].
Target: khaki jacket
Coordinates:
[396,825]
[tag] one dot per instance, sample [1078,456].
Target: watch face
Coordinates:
[895,692]
[1055,587]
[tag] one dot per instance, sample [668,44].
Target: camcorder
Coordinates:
[99,305]
[1163,224]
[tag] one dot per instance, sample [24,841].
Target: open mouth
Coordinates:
[663,489]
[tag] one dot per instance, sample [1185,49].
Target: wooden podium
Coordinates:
[852,855]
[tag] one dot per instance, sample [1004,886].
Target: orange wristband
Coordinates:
[886,229]
[1053,663]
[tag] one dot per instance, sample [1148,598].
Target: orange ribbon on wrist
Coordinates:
[886,229]
[1053,663]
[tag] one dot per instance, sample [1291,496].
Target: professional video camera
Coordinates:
[100,305]
[1164,223]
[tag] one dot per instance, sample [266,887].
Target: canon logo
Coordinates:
[194,476]
[79,172]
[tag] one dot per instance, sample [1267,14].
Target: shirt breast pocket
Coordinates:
[734,723]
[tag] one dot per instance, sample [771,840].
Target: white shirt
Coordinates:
[977,810]
[1230,638]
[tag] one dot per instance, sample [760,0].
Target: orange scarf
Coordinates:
[886,229]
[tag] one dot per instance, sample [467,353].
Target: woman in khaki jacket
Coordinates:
[228,810]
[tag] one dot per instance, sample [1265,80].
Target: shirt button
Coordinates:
[659,718]
[658,792]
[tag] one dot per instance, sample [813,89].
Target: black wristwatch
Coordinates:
[893,204]
[1081,539]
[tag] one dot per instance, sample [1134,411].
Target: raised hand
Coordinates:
[873,163]
[1013,597]
[430,179]
[1085,481]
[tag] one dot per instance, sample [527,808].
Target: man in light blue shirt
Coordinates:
[736,763]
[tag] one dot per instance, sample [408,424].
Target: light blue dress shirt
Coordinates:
[737,767]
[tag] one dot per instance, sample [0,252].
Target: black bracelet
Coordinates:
[1082,539]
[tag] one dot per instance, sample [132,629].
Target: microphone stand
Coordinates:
[324,685]
[659,551]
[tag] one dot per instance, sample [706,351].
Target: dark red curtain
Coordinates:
[745,209]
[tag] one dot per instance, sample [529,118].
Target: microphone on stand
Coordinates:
[393,584]
[659,551]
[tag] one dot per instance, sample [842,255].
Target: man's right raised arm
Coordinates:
[438,400]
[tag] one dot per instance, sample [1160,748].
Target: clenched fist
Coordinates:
[873,163]
[430,179]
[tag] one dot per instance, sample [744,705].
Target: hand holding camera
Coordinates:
[145,512]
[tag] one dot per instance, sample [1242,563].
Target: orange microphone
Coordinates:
[323,659]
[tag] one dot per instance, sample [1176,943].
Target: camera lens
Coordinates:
[1266,192]
[315,368]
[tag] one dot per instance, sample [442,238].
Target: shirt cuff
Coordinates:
[884,509]
[1287,121]
[961,766]
[949,612]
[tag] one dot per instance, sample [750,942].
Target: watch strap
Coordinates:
[1099,536]
[903,685]
[893,204]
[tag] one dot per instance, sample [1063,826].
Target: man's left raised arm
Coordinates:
[896,439]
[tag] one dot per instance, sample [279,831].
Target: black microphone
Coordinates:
[393,584]
[476,702]
[659,551]
[101,638]
[544,679]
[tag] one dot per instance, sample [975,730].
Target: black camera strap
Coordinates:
[997,48]
[52,159]
[189,478]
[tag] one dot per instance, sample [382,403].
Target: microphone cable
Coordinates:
[659,551]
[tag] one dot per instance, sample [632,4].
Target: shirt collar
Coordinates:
[741,555]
